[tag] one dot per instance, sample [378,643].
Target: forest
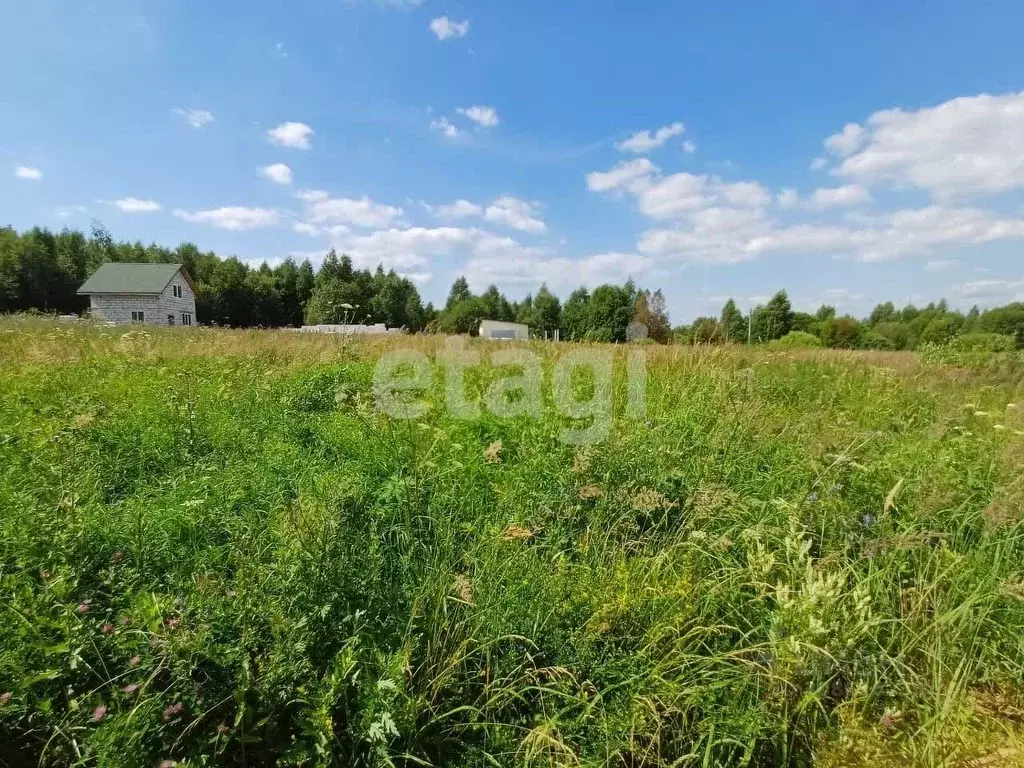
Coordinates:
[40,270]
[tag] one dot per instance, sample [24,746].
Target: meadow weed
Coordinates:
[215,549]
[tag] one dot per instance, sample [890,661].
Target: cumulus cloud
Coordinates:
[279,173]
[363,212]
[825,198]
[689,147]
[486,117]
[445,29]
[968,145]
[509,211]
[730,236]
[409,251]
[291,134]
[557,272]
[134,205]
[196,118]
[445,128]
[460,209]
[621,176]
[29,174]
[645,141]
[681,193]
[846,141]
[1001,291]
[234,218]
[515,213]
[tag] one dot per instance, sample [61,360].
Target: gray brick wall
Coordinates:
[118,307]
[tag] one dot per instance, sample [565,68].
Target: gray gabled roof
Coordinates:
[121,277]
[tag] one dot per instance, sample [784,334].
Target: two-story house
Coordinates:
[154,294]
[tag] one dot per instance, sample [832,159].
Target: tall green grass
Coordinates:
[214,550]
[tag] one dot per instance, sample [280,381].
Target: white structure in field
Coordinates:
[153,294]
[496,329]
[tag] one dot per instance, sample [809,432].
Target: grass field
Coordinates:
[215,550]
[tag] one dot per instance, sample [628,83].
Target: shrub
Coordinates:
[989,342]
[874,340]
[973,350]
[796,340]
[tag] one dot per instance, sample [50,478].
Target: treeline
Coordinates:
[42,270]
[611,313]
[885,328]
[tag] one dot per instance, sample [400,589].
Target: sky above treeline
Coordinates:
[849,153]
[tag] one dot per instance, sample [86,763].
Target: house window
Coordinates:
[138,316]
[170,319]
[186,318]
[176,290]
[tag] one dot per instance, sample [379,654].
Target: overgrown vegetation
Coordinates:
[215,550]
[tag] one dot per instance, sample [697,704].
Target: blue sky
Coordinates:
[850,153]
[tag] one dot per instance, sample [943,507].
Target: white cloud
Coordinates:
[644,141]
[733,235]
[197,118]
[409,251]
[134,205]
[847,141]
[818,163]
[446,29]
[674,195]
[1001,291]
[460,209]
[507,210]
[558,273]
[622,175]
[788,198]
[515,213]
[824,198]
[968,145]
[689,147]
[30,174]
[311,195]
[682,193]
[939,265]
[363,212]
[234,218]
[290,134]
[445,128]
[744,193]
[486,117]
[279,173]
[68,211]
[839,197]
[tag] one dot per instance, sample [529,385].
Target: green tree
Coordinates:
[463,316]
[547,311]
[732,325]
[576,315]
[660,328]
[334,302]
[459,292]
